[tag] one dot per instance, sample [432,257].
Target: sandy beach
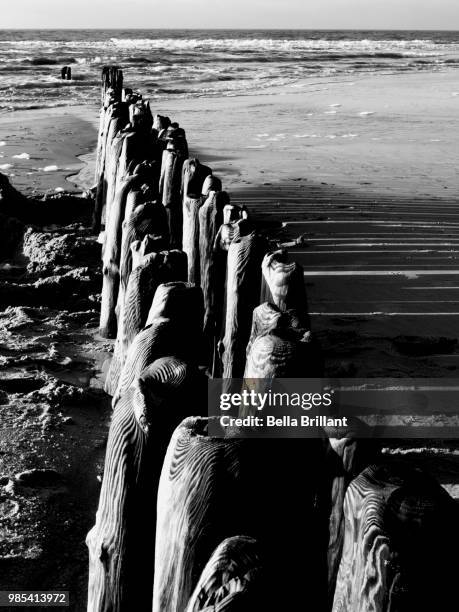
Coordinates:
[364,170]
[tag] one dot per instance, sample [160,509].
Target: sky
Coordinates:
[307,14]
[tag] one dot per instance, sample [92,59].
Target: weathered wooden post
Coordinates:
[233,579]
[121,543]
[66,73]
[149,271]
[113,117]
[212,489]
[399,526]
[170,183]
[176,333]
[242,296]
[194,174]
[213,264]
[149,218]
[283,283]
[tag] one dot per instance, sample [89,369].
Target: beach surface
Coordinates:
[364,170]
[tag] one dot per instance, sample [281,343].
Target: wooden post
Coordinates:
[148,218]
[175,300]
[150,270]
[283,284]
[194,175]
[216,488]
[66,73]
[399,527]
[163,336]
[212,265]
[120,578]
[111,260]
[112,80]
[242,296]
[232,579]
[349,451]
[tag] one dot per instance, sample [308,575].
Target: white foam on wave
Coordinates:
[5,166]
[332,112]
[2,143]
[22,156]
[334,105]
[366,113]
[349,135]
[51,168]
[256,147]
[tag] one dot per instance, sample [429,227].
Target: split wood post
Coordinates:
[194,175]
[176,334]
[242,296]
[170,184]
[212,489]
[399,526]
[120,578]
[212,265]
[232,579]
[283,283]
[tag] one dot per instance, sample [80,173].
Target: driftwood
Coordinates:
[212,264]
[283,284]
[232,579]
[399,528]
[213,489]
[119,577]
[242,295]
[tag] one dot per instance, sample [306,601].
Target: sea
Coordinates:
[202,63]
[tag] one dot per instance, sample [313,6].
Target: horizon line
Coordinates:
[245,29]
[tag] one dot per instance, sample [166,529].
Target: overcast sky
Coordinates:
[365,14]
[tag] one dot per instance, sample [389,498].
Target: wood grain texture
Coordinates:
[283,284]
[348,452]
[399,526]
[190,236]
[149,218]
[111,260]
[242,296]
[170,188]
[212,489]
[174,326]
[232,580]
[212,266]
[143,282]
[180,301]
[119,577]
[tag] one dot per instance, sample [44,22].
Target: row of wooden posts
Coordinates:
[187,522]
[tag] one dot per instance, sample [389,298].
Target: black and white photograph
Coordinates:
[229,305]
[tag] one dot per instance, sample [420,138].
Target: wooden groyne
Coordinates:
[187,522]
